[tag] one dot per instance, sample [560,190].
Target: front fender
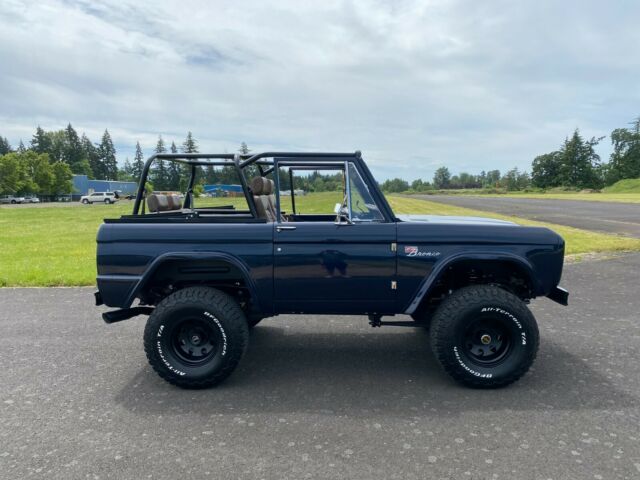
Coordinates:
[428,282]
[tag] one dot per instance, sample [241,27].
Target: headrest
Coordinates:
[273,186]
[157,202]
[261,186]
[174,201]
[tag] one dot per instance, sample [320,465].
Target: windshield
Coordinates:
[363,207]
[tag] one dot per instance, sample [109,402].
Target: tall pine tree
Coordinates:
[138,163]
[41,142]
[159,175]
[5,146]
[73,152]
[107,155]
[90,153]
[173,171]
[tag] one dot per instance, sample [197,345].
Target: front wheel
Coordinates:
[484,336]
[196,337]
[85,201]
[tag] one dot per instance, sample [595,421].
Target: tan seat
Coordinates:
[261,188]
[158,202]
[175,203]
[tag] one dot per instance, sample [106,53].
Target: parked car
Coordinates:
[11,199]
[206,275]
[101,197]
[31,199]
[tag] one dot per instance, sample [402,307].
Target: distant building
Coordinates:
[82,185]
[220,190]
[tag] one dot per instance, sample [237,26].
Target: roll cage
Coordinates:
[266,163]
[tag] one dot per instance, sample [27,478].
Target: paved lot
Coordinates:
[322,398]
[611,217]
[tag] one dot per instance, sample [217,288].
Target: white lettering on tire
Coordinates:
[523,335]
[162,357]
[471,371]
[224,335]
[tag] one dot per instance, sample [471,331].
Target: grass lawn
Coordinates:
[55,245]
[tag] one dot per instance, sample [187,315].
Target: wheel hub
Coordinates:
[194,341]
[487,340]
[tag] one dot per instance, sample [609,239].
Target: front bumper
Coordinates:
[559,295]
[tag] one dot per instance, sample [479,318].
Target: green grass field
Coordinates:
[623,191]
[55,245]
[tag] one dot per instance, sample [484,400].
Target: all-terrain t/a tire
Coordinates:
[484,336]
[196,337]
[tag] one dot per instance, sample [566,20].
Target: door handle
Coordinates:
[279,228]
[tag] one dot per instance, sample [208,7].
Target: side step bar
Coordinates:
[125,314]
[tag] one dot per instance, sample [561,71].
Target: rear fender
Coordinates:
[200,256]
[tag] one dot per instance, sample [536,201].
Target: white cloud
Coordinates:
[414,85]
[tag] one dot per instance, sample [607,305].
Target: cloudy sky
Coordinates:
[414,85]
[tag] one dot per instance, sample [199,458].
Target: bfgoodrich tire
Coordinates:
[484,336]
[196,337]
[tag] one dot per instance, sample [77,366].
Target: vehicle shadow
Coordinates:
[356,373]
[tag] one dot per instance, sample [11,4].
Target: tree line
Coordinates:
[575,165]
[46,166]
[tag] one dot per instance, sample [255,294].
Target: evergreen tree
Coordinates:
[190,145]
[5,147]
[74,153]
[41,142]
[579,162]
[125,171]
[90,153]
[173,171]
[159,176]
[21,147]
[107,156]
[138,163]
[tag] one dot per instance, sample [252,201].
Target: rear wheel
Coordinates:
[484,336]
[107,201]
[196,337]
[13,202]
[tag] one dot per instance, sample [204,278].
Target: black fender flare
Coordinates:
[165,257]
[438,270]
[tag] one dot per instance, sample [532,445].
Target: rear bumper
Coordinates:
[559,295]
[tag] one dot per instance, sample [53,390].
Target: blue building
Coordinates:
[219,189]
[82,185]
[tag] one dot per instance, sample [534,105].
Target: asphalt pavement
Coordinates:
[322,397]
[609,217]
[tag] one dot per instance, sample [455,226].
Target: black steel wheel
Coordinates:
[484,336]
[196,337]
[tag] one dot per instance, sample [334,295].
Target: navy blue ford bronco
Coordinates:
[243,243]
